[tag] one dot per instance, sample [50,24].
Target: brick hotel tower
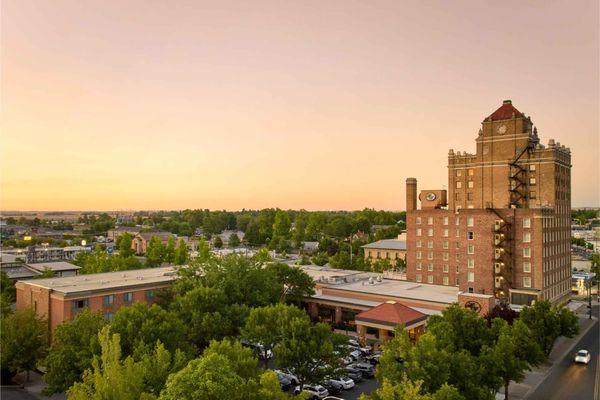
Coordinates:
[502,231]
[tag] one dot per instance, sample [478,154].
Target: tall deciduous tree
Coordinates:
[234,240]
[295,284]
[155,252]
[181,253]
[124,245]
[170,250]
[74,345]
[23,340]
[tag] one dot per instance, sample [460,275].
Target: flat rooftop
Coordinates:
[334,275]
[106,280]
[54,266]
[387,244]
[403,290]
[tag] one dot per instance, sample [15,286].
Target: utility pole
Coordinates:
[590,297]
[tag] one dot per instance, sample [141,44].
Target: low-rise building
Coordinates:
[113,234]
[139,244]
[386,249]
[60,299]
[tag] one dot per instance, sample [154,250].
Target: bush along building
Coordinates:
[501,232]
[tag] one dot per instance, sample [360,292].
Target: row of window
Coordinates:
[470,279]
[446,221]
[109,300]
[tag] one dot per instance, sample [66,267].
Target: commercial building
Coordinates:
[60,299]
[386,249]
[36,254]
[502,229]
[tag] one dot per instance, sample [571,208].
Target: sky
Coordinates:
[121,105]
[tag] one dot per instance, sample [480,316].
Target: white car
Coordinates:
[291,377]
[314,391]
[583,357]
[346,382]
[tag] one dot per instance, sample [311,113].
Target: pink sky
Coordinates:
[252,104]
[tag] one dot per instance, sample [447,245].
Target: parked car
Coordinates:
[583,357]
[314,391]
[354,373]
[258,349]
[373,359]
[355,354]
[367,370]
[345,381]
[284,381]
[332,386]
[353,342]
[293,379]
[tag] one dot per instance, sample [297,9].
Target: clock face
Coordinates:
[430,196]
[502,129]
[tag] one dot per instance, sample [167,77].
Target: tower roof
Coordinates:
[506,111]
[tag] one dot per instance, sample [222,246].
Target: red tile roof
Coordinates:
[505,111]
[392,313]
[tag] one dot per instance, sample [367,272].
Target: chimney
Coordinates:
[411,194]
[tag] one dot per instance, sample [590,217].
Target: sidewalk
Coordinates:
[34,387]
[562,346]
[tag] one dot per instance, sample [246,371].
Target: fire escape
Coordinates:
[517,180]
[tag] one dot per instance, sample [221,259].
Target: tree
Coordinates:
[294,283]
[7,288]
[406,389]
[320,259]
[124,244]
[74,345]
[310,352]
[158,365]
[141,326]
[269,325]
[514,352]
[547,323]
[218,242]
[240,358]
[234,240]
[155,252]
[23,340]
[252,234]
[110,378]
[181,253]
[170,250]
[46,273]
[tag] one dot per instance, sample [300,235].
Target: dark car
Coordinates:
[354,374]
[373,359]
[332,386]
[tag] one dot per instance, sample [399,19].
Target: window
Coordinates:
[458,172]
[470,249]
[109,316]
[429,232]
[470,197]
[532,181]
[532,195]
[445,244]
[430,244]
[419,278]
[378,254]
[471,172]
[418,243]
[470,263]
[80,304]
[470,184]
[457,221]
[458,184]
[445,220]
[430,255]
[526,266]
[526,237]
[429,278]
[457,196]
[445,280]
[526,222]
[526,252]
[418,255]
[418,266]
[446,232]
[532,167]
[149,294]
[458,233]
[470,221]
[109,300]
[445,267]
[429,220]
[418,231]
[446,257]
[430,267]
[418,220]
[470,235]
[526,281]
[471,276]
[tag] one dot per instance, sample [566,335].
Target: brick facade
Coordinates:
[505,229]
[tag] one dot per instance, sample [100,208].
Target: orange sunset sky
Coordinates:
[119,104]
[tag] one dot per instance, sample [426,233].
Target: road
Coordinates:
[568,380]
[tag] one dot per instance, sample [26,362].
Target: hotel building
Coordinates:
[502,229]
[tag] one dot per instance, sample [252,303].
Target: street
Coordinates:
[568,380]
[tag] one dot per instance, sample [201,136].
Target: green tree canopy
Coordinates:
[74,345]
[294,283]
[23,340]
